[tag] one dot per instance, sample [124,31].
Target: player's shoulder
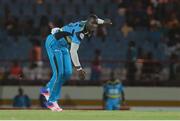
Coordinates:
[82,23]
[77,25]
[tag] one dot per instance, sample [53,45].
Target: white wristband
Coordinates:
[55,30]
[78,69]
[100,21]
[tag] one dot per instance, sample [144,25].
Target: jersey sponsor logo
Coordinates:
[81,35]
[113,91]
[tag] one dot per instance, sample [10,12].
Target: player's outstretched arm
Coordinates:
[75,60]
[105,21]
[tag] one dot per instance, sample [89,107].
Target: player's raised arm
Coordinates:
[75,59]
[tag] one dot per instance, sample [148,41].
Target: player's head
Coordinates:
[92,22]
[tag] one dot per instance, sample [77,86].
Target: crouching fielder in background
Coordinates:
[113,95]
[57,45]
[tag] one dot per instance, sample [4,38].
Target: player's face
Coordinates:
[92,24]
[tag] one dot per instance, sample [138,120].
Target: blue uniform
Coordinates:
[59,57]
[112,92]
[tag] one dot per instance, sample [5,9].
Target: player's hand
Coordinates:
[82,74]
[108,21]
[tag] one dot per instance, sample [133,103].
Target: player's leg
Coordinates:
[58,60]
[116,105]
[109,105]
[51,55]
[46,90]
[54,72]
[67,64]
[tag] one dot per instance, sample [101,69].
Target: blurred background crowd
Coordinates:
[142,47]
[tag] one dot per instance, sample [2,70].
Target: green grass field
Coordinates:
[86,114]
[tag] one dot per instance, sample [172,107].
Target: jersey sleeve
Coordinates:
[74,54]
[75,40]
[76,30]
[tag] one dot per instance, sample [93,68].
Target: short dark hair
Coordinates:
[92,16]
